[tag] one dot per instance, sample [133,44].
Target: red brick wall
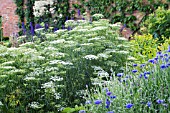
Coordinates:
[9,19]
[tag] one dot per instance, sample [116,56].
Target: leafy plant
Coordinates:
[158,23]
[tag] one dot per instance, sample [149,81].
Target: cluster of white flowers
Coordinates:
[123,52]
[49,35]
[49,69]
[35,105]
[59,41]
[57,96]
[86,44]
[122,45]
[103,73]
[131,58]
[36,72]
[7,67]
[50,48]
[77,49]
[108,51]
[60,31]
[8,63]
[16,71]
[1,103]
[122,38]
[117,25]
[82,30]
[102,55]
[56,78]
[58,54]
[99,16]
[48,85]
[60,62]
[97,68]
[27,78]
[91,57]
[70,23]
[39,7]
[100,28]
[39,30]
[96,38]
[26,44]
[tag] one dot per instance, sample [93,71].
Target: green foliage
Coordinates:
[158,23]
[47,75]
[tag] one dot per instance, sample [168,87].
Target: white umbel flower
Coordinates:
[35,105]
[91,57]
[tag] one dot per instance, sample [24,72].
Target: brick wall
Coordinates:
[9,19]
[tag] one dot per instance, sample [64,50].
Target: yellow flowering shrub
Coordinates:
[145,47]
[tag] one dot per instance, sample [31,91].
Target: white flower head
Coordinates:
[29,78]
[1,103]
[48,85]
[35,105]
[56,78]
[91,57]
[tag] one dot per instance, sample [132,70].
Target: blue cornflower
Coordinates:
[147,73]
[97,102]
[140,76]
[107,103]
[159,53]
[112,96]
[135,65]
[134,71]
[108,93]
[159,101]
[145,76]
[168,49]
[166,59]
[163,66]
[120,74]
[156,58]
[107,89]
[142,65]
[55,29]
[82,111]
[149,104]
[151,60]
[129,105]
[110,112]
[166,55]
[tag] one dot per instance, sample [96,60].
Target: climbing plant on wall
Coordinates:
[121,10]
[20,11]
